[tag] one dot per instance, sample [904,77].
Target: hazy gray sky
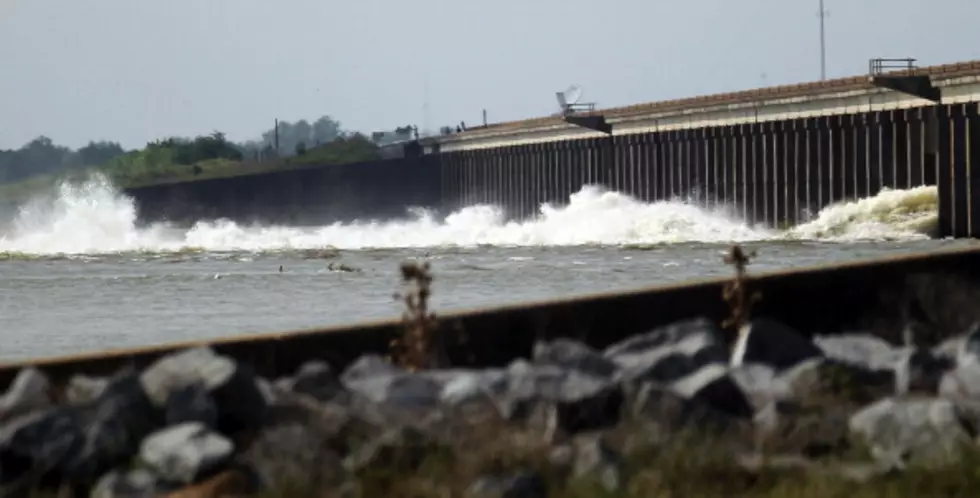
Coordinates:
[135,70]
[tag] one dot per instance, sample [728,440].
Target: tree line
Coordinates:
[41,156]
[322,140]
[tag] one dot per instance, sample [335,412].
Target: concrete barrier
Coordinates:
[310,195]
[935,291]
[771,172]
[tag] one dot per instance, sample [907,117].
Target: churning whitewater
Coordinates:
[94,218]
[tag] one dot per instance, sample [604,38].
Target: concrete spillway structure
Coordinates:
[774,154]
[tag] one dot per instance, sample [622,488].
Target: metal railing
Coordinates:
[880,66]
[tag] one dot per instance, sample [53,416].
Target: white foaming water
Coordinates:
[890,215]
[94,218]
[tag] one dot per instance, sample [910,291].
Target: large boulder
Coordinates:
[186,453]
[29,392]
[714,386]
[316,379]
[233,387]
[768,342]
[133,483]
[573,355]
[902,431]
[79,444]
[669,353]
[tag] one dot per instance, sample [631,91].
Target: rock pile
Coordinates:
[848,407]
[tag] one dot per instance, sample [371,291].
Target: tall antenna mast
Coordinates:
[823,45]
[425,102]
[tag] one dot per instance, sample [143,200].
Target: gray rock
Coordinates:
[271,393]
[919,370]
[912,368]
[522,485]
[186,453]
[368,366]
[949,348]
[595,459]
[969,350]
[135,483]
[671,352]
[400,389]
[812,431]
[821,381]
[761,384]
[771,343]
[862,349]
[715,387]
[901,431]
[671,413]
[191,403]
[421,394]
[79,444]
[43,443]
[113,427]
[380,382]
[316,379]
[233,387]
[570,354]
[462,387]
[580,402]
[30,391]
[83,389]
[294,453]
[962,382]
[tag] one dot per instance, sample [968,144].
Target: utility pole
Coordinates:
[425,101]
[823,45]
[277,136]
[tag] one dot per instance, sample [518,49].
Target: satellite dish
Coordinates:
[573,94]
[568,101]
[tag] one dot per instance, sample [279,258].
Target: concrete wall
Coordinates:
[313,195]
[935,292]
[773,155]
[772,172]
[958,168]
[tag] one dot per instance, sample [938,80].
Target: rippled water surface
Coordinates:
[76,274]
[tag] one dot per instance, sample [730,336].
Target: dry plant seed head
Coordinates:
[413,350]
[735,292]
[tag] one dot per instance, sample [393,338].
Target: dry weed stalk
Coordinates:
[413,350]
[735,292]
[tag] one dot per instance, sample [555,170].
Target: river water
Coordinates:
[77,274]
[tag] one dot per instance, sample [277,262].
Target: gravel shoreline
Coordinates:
[644,416]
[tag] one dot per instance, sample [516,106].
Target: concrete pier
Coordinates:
[772,154]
